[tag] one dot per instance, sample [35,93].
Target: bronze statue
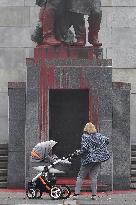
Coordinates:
[57,16]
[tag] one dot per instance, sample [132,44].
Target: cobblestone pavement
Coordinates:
[111,198]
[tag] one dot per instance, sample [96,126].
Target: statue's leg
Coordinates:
[62,25]
[94,21]
[79,27]
[47,18]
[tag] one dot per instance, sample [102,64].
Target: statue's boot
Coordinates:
[47,19]
[80,41]
[93,39]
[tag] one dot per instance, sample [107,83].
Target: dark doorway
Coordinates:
[68,113]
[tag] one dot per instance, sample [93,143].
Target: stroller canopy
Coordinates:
[48,145]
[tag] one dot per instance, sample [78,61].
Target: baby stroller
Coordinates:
[45,181]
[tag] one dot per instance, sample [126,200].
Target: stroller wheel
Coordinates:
[38,194]
[30,193]
[65,191]
[55,192]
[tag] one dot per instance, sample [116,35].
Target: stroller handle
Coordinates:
[69,157]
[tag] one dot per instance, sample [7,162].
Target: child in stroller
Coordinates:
[45,181]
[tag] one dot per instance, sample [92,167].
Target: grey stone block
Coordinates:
[14,16]
[29,53]
[15,58]
[15,37]
[123,3]
[16,169]
[34,16]
[132,118]
[17,104]
[109,53]
[124,17]
[29,3]
[121,37]
[3,104]
[32,79]
[12,75]
[4,127]
[32,133]
[97,77]
[11,3]
[105,36]
[16,160]
[105,105]
[125,75]
[106,17]
[121,136]
[106,167]
[123,57]
[106,2]
[16,134]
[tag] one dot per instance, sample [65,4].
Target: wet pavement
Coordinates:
[17,197]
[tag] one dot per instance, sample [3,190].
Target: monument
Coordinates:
[69,84]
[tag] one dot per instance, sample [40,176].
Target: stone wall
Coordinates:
[16,148]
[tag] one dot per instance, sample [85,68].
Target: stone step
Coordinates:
[3,178]
[133,153]
[133,147]
[3,152]
[3,146]
[3,184]
[133,185]
[133,159]
[3,172]
[133,179]
[3,158]
[133,166]
[133,172]
[3,165]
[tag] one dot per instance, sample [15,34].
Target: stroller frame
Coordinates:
[46,182]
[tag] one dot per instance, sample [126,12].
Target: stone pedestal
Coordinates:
[16,147]
[68,68]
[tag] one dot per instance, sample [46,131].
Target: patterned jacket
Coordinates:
[94,148]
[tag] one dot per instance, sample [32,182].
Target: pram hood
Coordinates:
[48,145]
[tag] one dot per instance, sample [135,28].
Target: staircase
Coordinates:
[3,165]
[133,166]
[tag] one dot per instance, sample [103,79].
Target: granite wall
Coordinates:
[16,148]
[121,136]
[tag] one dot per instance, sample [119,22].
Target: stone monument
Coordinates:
[69,84]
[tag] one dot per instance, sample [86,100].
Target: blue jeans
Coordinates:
[92,169]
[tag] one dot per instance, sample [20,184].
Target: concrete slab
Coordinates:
[11,3]
[120,19]
[20,16]
[15,37]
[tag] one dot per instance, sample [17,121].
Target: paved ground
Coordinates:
[16,197]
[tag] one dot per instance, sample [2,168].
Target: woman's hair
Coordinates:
[90,128]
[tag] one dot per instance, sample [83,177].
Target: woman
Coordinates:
[93,152]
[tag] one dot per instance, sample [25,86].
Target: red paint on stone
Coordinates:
[45,56]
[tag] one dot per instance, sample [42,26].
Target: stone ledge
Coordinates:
[16,84]
[121,86]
